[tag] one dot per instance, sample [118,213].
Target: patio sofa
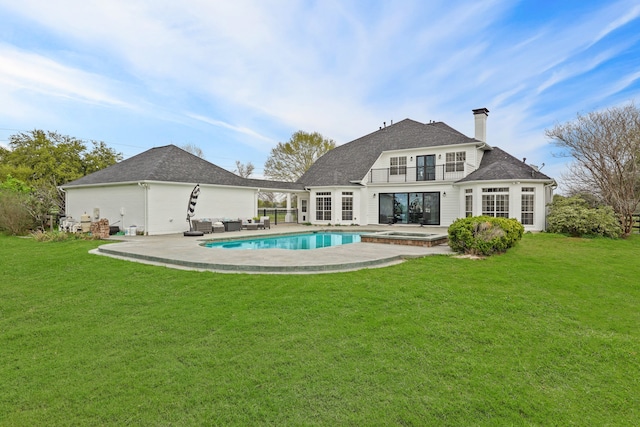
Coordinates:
[206,226]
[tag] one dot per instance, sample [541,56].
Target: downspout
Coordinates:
[145,186]
[256,202]
[552,185]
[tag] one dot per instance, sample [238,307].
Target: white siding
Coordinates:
[122,205]
[541,197]
[163,210]
[167,205]
[473,158]
[336,206]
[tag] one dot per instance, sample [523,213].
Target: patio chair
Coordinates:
[264,222]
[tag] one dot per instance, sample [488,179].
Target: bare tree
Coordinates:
[193,149]
[244,170]
[605,146]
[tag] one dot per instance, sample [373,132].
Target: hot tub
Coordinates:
[405,238]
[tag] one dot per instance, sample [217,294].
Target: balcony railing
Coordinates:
[421,174]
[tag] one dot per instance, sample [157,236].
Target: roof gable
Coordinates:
[351,161]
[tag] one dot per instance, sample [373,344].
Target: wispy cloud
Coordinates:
[622,13]
[239,129]
[252,72]
[36,73]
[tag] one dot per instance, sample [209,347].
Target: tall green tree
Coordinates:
[288,161]
[38,156]
[605,147]
[45,160]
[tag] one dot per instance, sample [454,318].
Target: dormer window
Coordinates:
[398,166]
[455,161]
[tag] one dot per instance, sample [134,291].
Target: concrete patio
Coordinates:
[178,251]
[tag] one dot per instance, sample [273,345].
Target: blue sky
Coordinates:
[235,78]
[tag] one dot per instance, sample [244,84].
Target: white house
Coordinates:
[431,174]
[405,173]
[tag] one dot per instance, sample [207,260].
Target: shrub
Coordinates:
[573,216]
[484,235]
[15,217]
[60,236]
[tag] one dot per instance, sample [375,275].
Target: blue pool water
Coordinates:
[291,241]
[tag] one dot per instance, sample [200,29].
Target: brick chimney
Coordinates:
[480,116]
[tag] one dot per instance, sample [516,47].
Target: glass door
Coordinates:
[416,208]
[400,207]
[426,168]
[431,214]
[409,208]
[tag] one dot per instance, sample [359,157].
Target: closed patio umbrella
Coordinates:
[191,208]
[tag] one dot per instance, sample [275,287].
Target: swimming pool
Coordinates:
[291,241]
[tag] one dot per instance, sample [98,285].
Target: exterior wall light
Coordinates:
[444,194]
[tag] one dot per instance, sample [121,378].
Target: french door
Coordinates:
[426,168]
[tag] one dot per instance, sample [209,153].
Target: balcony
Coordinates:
[413,174]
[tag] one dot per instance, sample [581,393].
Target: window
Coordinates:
[455,161]
[468,202]
[303,205]
[323,206]
[526,217]
[495,202]
[398,166]
[347,205]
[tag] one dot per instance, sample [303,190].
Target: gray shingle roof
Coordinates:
[173,164]
[352,161]
[497,164]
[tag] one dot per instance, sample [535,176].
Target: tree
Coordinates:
[38,156]
[46,160]
[193,149]
[605,146]
[100,157]
[289,160]
[244,170]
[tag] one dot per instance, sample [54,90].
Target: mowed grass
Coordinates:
[547,334]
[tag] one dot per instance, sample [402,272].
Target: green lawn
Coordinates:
[547,334]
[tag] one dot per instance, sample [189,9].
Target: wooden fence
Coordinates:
[636,223]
